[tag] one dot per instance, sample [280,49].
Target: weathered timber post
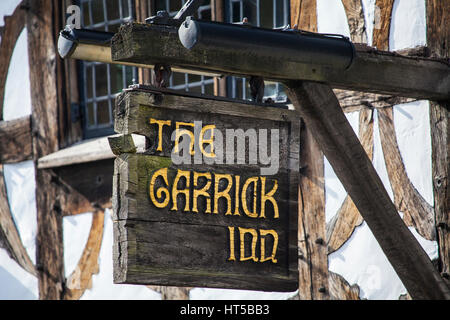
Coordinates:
[320,109]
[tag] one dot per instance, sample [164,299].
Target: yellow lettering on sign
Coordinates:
[242,232]
[202,192]
[236,195]
[222,194]
[249,181]
[176,191]
[161,124]
[209,141]
[274,234]
[159,173]
[232,256]
[268,197]
[179,132]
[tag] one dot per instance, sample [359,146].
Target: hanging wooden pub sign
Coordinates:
[212,202]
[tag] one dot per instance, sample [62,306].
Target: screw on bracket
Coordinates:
[162,74]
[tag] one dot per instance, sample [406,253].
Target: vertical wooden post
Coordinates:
[43,85]
[438,41]
[313,259]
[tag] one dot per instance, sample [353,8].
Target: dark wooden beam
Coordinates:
[320,109]
[383,13]
[15,140]
[44,96]
[9,234]
[313,258]
[372,70]
[438,41]
[355,17]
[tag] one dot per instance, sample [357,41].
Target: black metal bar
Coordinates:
[290,45]
[70,38]
[189,8]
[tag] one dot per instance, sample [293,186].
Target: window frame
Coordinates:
[104,129]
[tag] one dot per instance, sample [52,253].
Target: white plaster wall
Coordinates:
[408,24]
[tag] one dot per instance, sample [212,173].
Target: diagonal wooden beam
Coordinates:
[382,27]
[321,112]
[355,16]
[417,212]
[9,235]
[15,140]
[341,227]
[81,278]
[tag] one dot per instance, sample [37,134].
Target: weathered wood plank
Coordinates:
[304,14]
[438,40]
[15,140]
[356,22]
[314,263]
[9,235]
[438,29]
[352,101]
[192,235]
[93,186]
[313,260]
[374,71]
[340,289]
[440,145]
[382,27]
[44,97]
[320,109]
[417,212]
[341,227]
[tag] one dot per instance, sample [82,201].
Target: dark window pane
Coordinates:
[279,14]
[85,12]
[129,75]
[90,114]
[236,12]
[112,104]
[209,89]
[116,78]
[194,78]
[101,81]
[103,112]
[160,5]
[178,78]
[114,28]
[125,8]
[204,13]
[97,11]
[266,13]
[112,9]
[175,5]
[197,89]
[89,82]
[250,12]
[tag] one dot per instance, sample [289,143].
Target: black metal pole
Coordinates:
[289,45]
